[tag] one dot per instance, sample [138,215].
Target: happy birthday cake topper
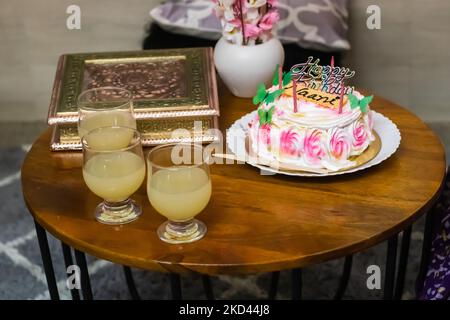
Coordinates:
[312,82]
[327,78]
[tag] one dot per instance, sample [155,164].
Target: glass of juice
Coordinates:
[113,173]
[103,107]
[179,188]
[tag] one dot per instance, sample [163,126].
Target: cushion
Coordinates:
[315,24]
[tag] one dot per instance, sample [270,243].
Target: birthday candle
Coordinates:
[280,77]
[294,94]
[341,101]
[330,80]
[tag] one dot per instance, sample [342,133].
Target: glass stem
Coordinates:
[181,229]
[119,208]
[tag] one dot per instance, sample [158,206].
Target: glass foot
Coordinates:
[182,232]
[115,213]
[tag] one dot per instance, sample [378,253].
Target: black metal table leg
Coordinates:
[391,260]
[403,263]
[207,286]
[296,284]
[47,261]
[344,278]
[85,281]
[175,285]
[68,262]
[274,285]
[131,284]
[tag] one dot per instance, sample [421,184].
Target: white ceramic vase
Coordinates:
[242,68]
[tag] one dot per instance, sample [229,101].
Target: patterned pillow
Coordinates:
[315,24]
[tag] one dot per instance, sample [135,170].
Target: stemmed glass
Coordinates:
[104,106]
[114,173]
[179,188]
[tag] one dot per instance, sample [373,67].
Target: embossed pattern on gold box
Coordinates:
[153,132]
[165,83]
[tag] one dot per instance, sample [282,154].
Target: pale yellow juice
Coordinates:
[108,139]
[179,194]
[114,176]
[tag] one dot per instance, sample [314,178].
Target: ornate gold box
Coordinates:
[153,132]
[171,88]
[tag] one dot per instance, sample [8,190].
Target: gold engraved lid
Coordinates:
[165,83]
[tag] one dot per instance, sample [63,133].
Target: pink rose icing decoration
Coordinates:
[339,144]
[264,134]
[359,135]
[312,147]
[290,142]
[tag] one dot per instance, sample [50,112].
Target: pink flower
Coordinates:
[268,20]
[252,31]
[290,142]
[339,144]
[312,147]
[359,135]
[264,134]
[247,22]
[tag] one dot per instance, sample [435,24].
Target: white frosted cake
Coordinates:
[316,136]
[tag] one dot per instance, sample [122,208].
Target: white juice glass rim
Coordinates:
[127,99]
[175,167]
[136,134]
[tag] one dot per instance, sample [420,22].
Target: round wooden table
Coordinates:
[256,223]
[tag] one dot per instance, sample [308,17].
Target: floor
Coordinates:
[21,275]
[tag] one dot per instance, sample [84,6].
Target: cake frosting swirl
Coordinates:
[315,136]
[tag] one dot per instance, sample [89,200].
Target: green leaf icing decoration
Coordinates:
[363,104]
[272,96]
[262,116]
[275,80]
[354,101]
[287,78]
[270,114]
[265,117]
[260,94]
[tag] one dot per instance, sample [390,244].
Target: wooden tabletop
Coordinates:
[255,223]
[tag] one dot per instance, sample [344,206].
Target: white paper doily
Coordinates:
[387,131]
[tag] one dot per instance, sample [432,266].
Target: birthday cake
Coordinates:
[310,120]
